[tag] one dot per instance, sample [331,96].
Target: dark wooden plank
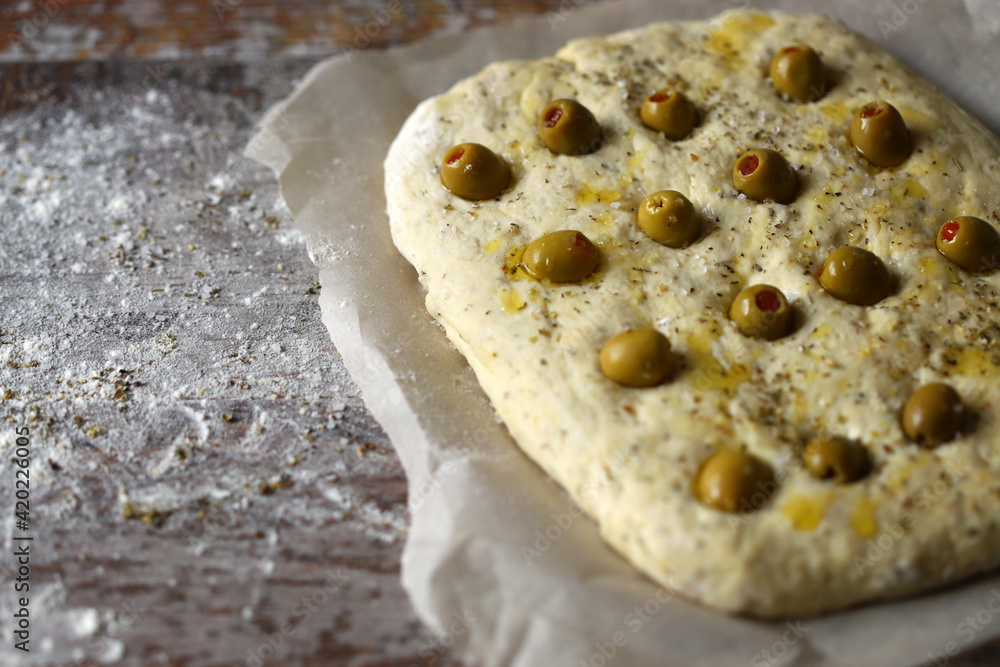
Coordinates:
[235,29]
[202,461]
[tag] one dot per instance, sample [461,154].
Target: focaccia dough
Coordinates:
[924,517]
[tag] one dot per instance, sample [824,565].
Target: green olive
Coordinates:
[856,276]
[972,243]
[933,415]
[761,311]
[837,459]
[765,175]
[880,135]
[568,128]
[734,481]
[638,358]
[565,256]
[797,73]
[669,111]
[669,218]
[473,171]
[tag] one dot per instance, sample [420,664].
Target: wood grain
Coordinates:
[202,462]
[216,493]
[235,29]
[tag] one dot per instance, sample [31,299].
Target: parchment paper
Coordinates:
[498,560]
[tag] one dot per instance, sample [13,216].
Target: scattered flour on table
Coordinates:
[161,334]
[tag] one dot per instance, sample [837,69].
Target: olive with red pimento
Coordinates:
[669,111]
[879,133]
[798,74]
[971,243]
[762,311]
[567,127]
[765,175]
[474,172]
[566,256]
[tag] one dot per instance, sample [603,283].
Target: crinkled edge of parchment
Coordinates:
[475,500]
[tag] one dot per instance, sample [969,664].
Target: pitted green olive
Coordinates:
[669,111]
[765,175]
[638,358]
[474,172]
[971,243]
[565,256]
[668,217]
[934,414]
[734,481]
[838,459]
[761,311]
[880,134]
[569,128]
[798,73]
[856,276]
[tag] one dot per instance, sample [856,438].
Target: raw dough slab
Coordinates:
[473,513]
[628,456]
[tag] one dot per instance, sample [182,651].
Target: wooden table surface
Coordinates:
[241,30]
[207,485]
